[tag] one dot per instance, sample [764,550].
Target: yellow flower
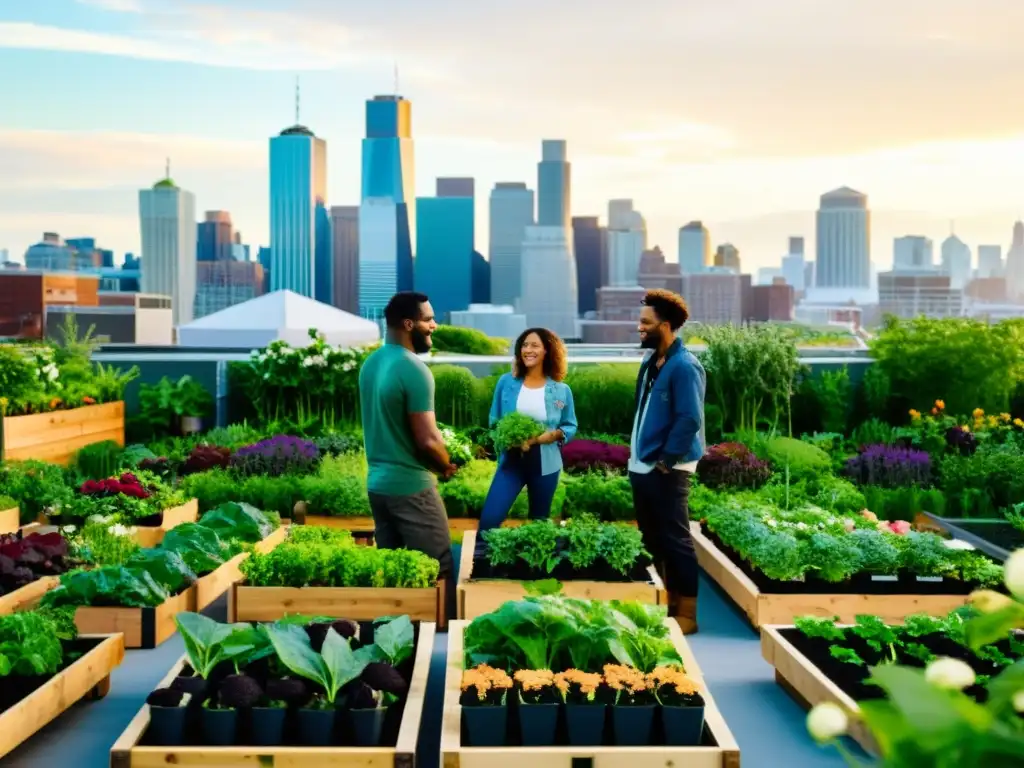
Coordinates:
[1004,417]
[966,429]
[915,415]
[978,413]
[993,421]
[1018,423]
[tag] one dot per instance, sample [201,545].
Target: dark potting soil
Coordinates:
[1001,534]
[851,677]
[16,688]
[599,571]
[860,584]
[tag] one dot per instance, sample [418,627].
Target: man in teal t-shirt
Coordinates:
[402,441]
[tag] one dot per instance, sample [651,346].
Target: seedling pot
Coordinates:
[220,726]
[684,726]
[316,727]
[367,725]
[633,725]
[268,726]
[585,724]
[166,726]
[485,726]
[537,724]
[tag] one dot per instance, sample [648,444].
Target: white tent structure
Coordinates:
[283,315]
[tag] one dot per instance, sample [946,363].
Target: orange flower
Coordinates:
[978,413]
[867,514]
[587,683]
[940,404]
[88,400]
[915,415]
[534,680]
[483,679]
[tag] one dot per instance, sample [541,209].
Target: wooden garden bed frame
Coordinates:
[85,678]
[808,685]
[724,752]
[142,627]
[477,597]
[358,603]
[128,753]
[27,596]
[214,584]
[763,608]
[151,535]
[56,436]
[365,525]
[10,520]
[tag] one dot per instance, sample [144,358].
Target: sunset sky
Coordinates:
[737,112]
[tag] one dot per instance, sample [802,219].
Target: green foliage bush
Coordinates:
[604,397]
[465,493]
[803,459]
[460,398]
[467,341]
[982,484]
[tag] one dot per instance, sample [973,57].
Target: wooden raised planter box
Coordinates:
[10,520]
[719,748]
[129,752]
[152,535]
[27,596]
[86,677]
[805,682]
[763,608]
[365,525]
[213,585]
[57,436]
[142,627]
[358,603]
[476,598]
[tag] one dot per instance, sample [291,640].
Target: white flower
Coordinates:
[101,519]
[772,522]
[827,721]
[801,526]
[348,366]
[946,672]
[121,530]
[957,544]
[1018,701]
[1013,573]
[69,529]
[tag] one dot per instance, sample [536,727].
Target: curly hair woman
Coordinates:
[535,387]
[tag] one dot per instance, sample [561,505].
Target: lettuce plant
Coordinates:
[514,429]
[333,668]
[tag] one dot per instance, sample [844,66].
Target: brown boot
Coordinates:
[685,613]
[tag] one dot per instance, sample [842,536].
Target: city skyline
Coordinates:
[751,169]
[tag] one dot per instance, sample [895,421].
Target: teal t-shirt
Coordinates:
[393,383]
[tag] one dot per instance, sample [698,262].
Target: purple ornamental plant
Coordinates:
[732,465]
[588,455]
[279,455]
[890,467]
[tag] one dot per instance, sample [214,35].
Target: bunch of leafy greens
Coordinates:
[514,429]
[242,522]
[559,633]
[327,558]
[31,642]
[582,542]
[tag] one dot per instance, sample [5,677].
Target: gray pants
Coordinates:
[419,522]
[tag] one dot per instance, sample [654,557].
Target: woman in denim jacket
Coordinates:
[535,387]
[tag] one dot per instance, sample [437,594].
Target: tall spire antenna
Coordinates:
[296,99]
[396,78]
[167,168]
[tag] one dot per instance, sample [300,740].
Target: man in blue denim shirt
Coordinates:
[667,443]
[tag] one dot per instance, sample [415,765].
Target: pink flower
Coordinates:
[849,525]
[900,527]
[867,514]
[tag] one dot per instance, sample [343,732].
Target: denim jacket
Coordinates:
[673,430]
[561,415]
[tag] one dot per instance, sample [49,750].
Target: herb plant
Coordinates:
[513,429]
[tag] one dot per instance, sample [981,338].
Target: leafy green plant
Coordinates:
[31,642]
[162,405]
[209,643]
[332,669]
[98,460]
[514,429]
[467,341]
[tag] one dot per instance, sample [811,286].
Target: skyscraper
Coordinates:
[387,175]
[215,237]
[990,261]
[1015,263]
[627,240]
[549,280]
[554,185]
[444,247]
[511,212]
[956,261]
[727,256]
[590,245]
[694,248]
[912,252]
[300,242]
[167,218]
[843,258]
[345,242]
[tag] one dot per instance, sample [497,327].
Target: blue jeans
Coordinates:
[508,482]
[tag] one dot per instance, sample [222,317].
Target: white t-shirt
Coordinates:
[531,403]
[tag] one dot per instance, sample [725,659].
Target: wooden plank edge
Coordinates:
[10,520]
[28,595]
[121,751]
[109,654]
[409,729]
[774,646]
[738,586]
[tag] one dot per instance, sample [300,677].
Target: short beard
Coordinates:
[651,341]
[420,342]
